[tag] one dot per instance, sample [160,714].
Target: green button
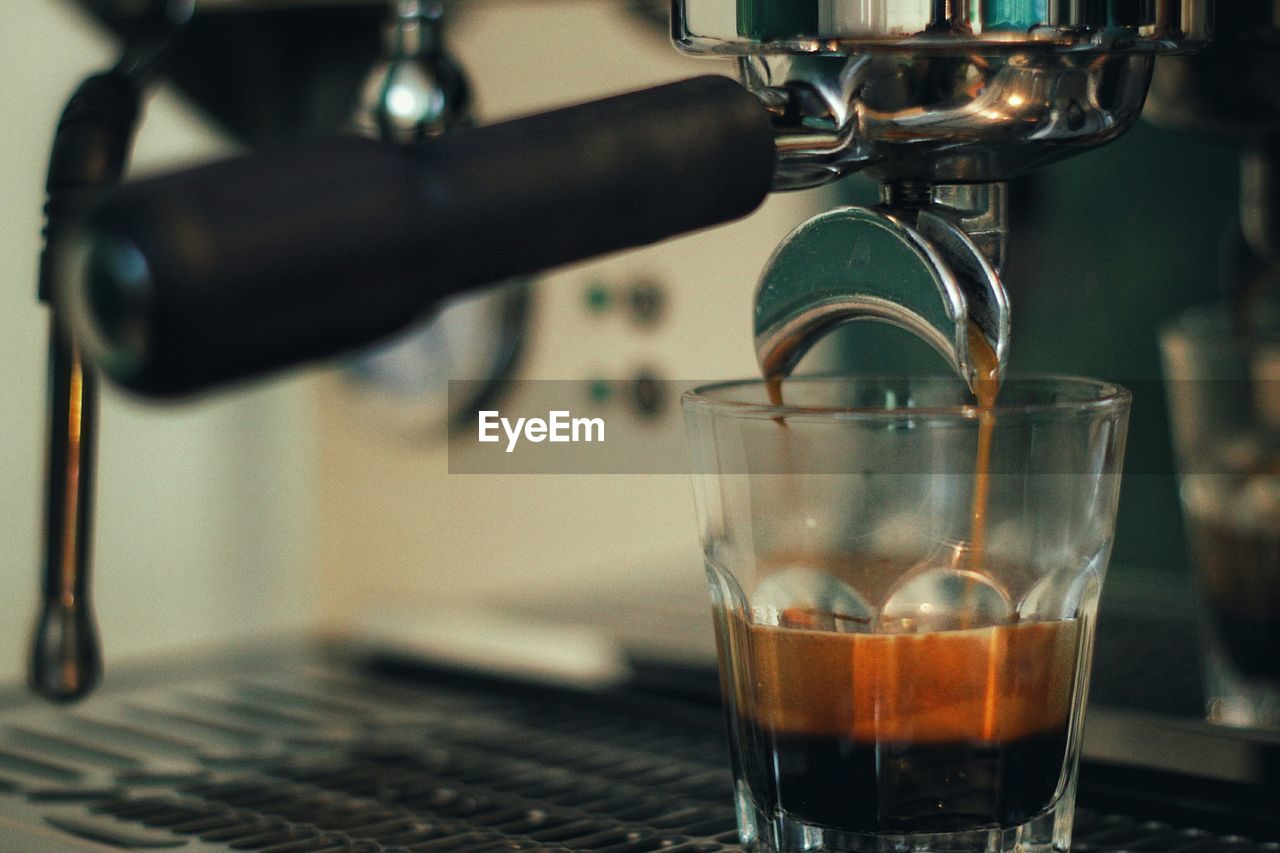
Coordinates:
[599,391]
[598,297]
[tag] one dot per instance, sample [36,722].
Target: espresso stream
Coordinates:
[986,387]
[921,731]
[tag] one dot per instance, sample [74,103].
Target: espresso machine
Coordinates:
[169,290]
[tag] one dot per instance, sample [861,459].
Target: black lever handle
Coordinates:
[240,267]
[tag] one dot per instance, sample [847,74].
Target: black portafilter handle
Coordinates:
[247,265]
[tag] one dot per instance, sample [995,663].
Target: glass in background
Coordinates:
[1224,401]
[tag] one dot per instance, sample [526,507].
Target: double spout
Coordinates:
[927,262]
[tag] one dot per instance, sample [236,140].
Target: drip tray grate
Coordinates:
[328,759]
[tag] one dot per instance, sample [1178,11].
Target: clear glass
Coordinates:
[1224,402]
[904,662]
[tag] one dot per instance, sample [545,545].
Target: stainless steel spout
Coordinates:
[910,264]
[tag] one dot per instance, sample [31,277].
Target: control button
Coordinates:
[647,397]
[599,391]
[107,831]
[598,297]
[647,303]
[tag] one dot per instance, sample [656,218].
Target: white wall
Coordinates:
[203,510]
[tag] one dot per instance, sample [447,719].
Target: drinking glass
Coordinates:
[904,589]
[1223,386]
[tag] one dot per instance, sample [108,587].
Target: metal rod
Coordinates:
[90,150]
[66,661]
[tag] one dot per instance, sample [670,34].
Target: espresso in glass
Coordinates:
[882,725]
[863,731]
[904,581]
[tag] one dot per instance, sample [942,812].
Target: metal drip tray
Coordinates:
[330,757]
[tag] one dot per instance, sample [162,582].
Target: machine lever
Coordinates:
[237,268]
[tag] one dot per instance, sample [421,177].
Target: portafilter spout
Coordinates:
[915,267]
[941,103]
